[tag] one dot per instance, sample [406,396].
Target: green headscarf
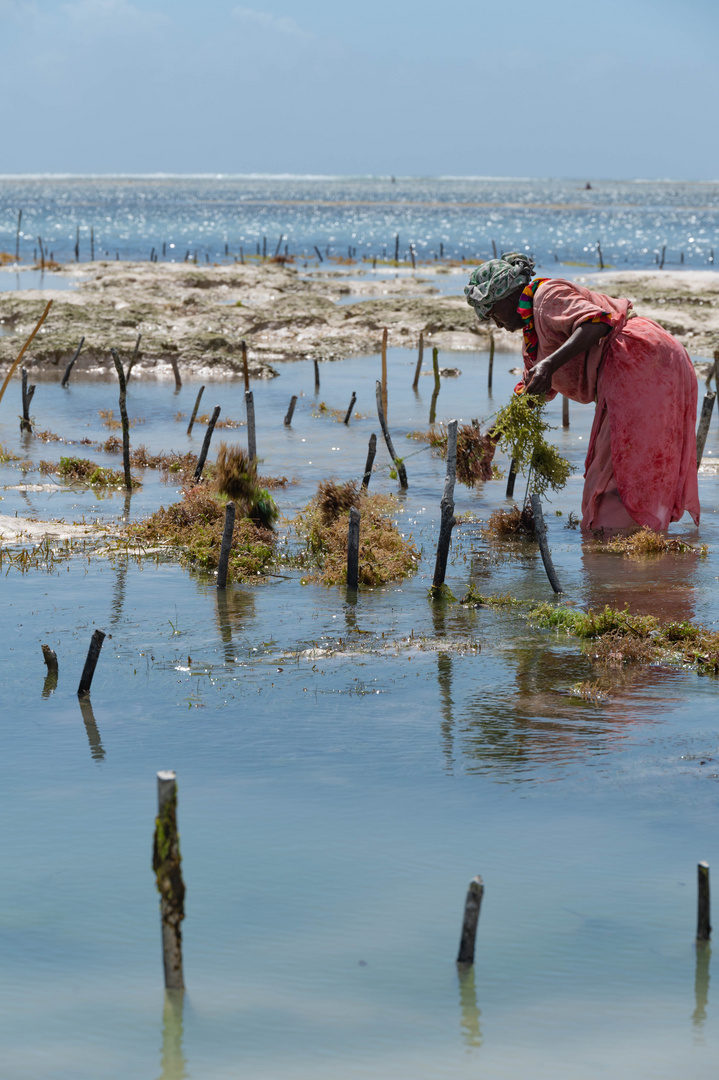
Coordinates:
[497,278]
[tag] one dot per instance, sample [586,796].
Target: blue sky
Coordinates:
[547,88]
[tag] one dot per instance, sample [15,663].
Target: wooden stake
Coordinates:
[319,253]
[133,358]
[123,417]
[472,906]
[541,530]
[226,546]
[437,384]
[348,414]
[206,443]
[93,655]
[50,658]
[176,373]
[17,236]
[353,539]
[704,929]
[490,369]
[24,349]
[68,369]
[599,253]
[167,864]
[664,251]
[291,410]
[251,440]
[27,396]
[399,465]
[317,377]
[396,248]
[420,356]
[370,461]
[245,368]
[565,412]
[194,411]
[384,370]
[704,421]
[511,479]
[447,522]
[494,249]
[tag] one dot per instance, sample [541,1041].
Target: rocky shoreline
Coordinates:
[197,316]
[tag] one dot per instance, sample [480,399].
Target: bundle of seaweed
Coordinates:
[617,637]
[519,429]
[475,452]
[385,554]
[76,470]
[236,477]
[647,542]
[512,524]
[194,527]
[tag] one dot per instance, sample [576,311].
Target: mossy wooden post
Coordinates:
[194,411]
[540,529]
[353,541]
[93,655]
[704,421]
[565,411]
[27,396]
[245,368]
[251,440]
[133,358]
[291,410]
[123,417]
[511,477]
[420,357]
[206,443]
[472,906]
[226,545]
[317,376]
[68,369]
[371,451]
[437,384]
[447,521]
[490,369]
[704,929]
[399,465]
[167,864]
[348,414]
[384,371]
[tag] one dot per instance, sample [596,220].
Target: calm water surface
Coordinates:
[339,787]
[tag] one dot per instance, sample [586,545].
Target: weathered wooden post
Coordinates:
[206,443]
[27,396]
[251,440]
[353,540]
[472,906]
[167,864]
[348,414]
[317,376]
[245,368]
[226,545]
[447,521]
[398,464]
[511,477]
[565,411]
[599,254]
[384,371]
[704,421]
[420,357]
[371,451]
[176,373]
[490,369]
[291,410]
[540,529]
[93,655]
[194,411]
[133,358]
[68,369]
[437,384]
[704,929]
[123,417]
[50,658]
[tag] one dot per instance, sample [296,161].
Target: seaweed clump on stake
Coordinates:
[475,452]
[235,476]
[385,553]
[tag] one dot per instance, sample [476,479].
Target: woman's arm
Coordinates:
[583,338]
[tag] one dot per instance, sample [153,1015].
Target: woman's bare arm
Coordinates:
[583,338]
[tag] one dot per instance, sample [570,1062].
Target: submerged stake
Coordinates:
[353,539]
[703,907]
[541,530]
[511,477]
[245,369]
[384,371]
[206,443]
[565,412]
[351,407]
[704,421]
[372,450]
[490,369]
[448,521]
[226,545]
[194,411]
[167,864]
[317,377]
[123,417]
[251,440]
[93,655]
[291,410]
[420,356]
[176,372]
[472,905]
[68,369]
[399,465]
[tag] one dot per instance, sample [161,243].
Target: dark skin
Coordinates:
[504,314]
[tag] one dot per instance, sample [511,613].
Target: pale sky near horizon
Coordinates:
[618,89]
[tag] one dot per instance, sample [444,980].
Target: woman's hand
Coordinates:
[540,378]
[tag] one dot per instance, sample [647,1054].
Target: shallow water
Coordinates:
[341,784]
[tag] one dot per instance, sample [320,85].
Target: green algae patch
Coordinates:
[441,592]
[385,554]
[193,527]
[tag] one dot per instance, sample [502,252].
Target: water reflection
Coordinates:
[235,608]
[50,684]
[701,988]
[444,679]
[174,1065]
[660,585]
[118,592]
[97,750]
[470,1013]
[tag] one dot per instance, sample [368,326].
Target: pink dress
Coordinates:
[641,460]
